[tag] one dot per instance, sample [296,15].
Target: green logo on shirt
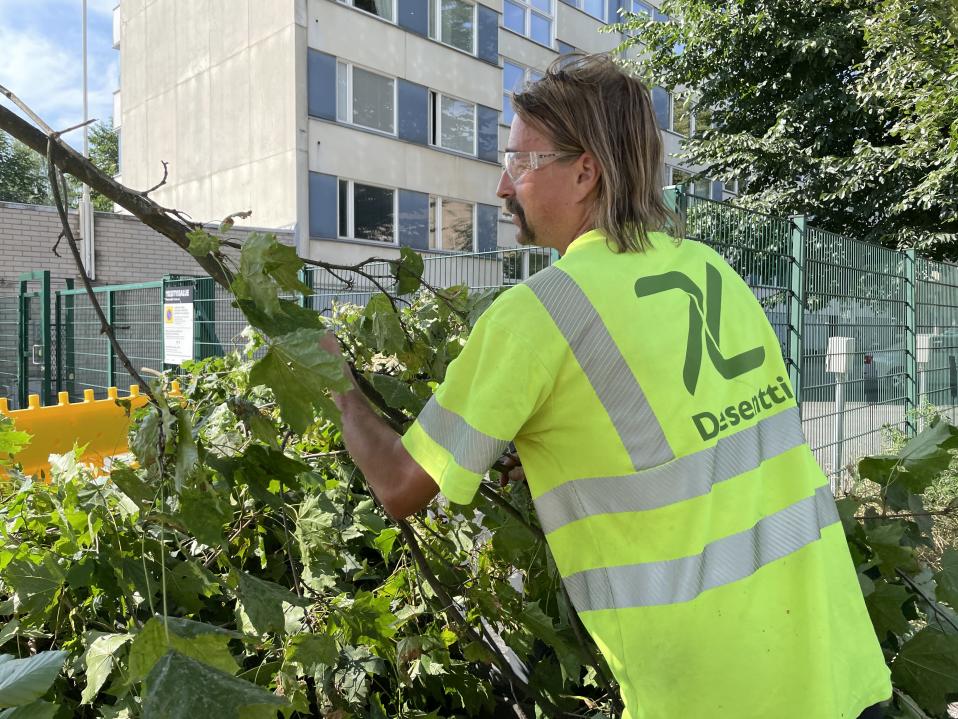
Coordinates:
[705,318]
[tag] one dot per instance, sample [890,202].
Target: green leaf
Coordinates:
[266,267]
[288,318]
[384,324]
[204,513]
[299,372]
[189,582]
[203,642]
[886,544]
[947,579]
[885,608]
[24,680]
[35,584]
[396,392]
[927,667]
[34,710]
[385,540]
[202,243]
[179,687]
[186,452]
[263,603]
[408,271]
[128,482]
[11,440]
[919,462]
[100,659]
[312,650]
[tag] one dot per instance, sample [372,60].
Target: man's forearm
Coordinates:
[397,481]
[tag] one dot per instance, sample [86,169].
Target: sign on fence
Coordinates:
[177,324]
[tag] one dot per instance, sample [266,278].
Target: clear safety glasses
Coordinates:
[517,164]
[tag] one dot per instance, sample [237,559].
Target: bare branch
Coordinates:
[157,186]
[26,108]
[56,178]
[74,127]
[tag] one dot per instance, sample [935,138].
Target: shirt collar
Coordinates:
[589,238]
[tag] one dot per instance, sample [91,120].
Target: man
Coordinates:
[645,393]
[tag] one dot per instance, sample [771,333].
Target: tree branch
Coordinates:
[55,183]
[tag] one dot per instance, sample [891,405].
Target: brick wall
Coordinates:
[126,249]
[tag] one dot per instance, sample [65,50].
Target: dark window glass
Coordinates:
[373,213]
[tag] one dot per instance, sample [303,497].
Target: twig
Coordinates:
[55,176]
[26,108]
[75,127]
[157,186]
[931,602]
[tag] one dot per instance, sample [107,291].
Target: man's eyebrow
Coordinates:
[509,149]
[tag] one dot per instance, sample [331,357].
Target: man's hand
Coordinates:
[513,471]
[330,344]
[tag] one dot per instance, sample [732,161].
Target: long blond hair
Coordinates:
[587,103]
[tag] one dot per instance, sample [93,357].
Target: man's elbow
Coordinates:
[411,492]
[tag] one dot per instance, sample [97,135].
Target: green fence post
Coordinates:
[306,277]
[69,353]
[911,328]
[23,338]
[46,388]
[111,358]
[796,302]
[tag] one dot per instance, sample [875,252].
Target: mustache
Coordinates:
[513,208]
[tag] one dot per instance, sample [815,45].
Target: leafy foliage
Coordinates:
[241,566]
[842,110]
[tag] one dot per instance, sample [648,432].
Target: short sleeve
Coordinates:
[491,389]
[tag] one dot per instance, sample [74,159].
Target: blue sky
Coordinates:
[41,59]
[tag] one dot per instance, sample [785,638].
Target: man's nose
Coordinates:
[505,188]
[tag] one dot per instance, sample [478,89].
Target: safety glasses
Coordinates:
[517,164]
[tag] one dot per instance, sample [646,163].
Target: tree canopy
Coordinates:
[843,110]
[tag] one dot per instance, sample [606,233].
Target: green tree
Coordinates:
[23,176]
[105,154]
[840,109]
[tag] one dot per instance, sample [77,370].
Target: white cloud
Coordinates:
[48,77]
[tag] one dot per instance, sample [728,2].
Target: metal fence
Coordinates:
[869,334]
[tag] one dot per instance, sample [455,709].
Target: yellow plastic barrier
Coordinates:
[101,425]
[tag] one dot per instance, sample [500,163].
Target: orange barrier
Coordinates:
[101,425]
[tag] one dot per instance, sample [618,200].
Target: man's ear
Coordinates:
[589,173]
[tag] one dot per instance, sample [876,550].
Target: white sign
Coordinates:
[177,325]
[839,355]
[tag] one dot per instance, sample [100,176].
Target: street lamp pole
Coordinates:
[86,207]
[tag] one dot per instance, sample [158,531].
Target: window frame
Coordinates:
[436,220]
[435,123]
[350,100]
[580,5]
[526,78]
[395,10]
[528,8]
[434,25]
[351,211]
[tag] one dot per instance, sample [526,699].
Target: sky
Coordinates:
[41,59]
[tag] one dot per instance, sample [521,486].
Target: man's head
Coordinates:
[596,157]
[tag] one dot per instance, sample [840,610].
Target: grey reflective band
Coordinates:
[604,366]
[722,562]
[684,478]
[470,448]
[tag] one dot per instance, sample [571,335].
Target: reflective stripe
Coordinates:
[471,449]
[604,366]
[722,562]
[684,478]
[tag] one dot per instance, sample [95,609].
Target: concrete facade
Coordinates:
[223,90]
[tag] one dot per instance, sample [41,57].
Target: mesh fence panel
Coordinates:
[937,319]
[9,346]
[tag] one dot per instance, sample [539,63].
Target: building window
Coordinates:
[453,123]
[681,114]
[451,224]
[380,8]
[532,18]
[514,77]
[453,22]
[595,8]
[365,98]
[366,212]
[701,187]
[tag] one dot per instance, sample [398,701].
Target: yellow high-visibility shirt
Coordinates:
[662,443]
